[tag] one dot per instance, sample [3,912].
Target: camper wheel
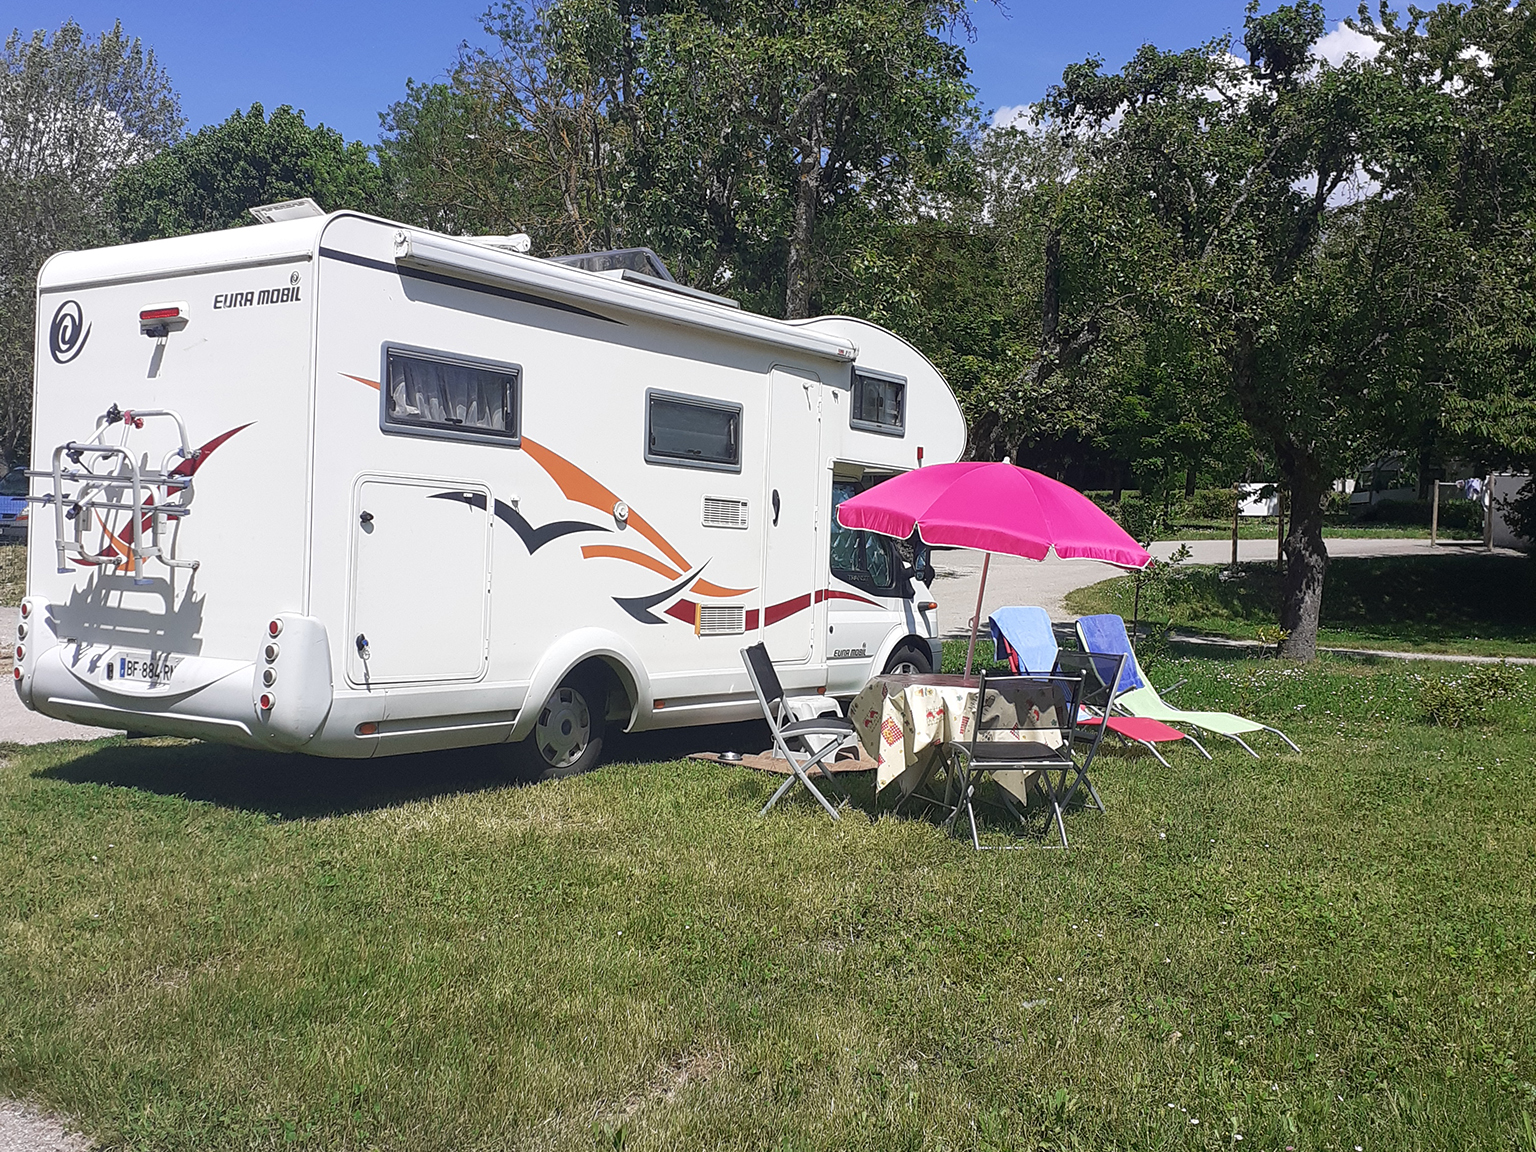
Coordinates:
[567,738]
[909,660]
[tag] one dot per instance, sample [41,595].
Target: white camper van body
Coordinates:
[369,582]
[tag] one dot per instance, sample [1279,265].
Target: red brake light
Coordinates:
[16,672]
[26,609]
[274,627]
[267,701]
[150,315]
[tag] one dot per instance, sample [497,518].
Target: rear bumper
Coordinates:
[278,702]
[65,683]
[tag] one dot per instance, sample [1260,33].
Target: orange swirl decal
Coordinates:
[584,489]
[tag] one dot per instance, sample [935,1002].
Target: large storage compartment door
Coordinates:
[420,581]
[791,517]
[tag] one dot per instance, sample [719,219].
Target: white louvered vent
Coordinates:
[720,512]
[722,619]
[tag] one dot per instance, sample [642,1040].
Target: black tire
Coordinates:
[909,660]
[567,738]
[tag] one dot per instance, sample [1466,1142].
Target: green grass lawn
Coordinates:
[207,948]
[13,573]
[1472,604]
[1340,528]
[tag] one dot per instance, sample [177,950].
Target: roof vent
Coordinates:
[299,209]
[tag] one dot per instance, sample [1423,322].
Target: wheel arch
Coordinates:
[894,639]
[586,647]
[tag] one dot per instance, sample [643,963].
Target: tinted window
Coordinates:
[879,404]
[682,430]
[864,559]
[424,392]
[14,483]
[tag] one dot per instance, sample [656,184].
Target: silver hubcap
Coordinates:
[906,668]
[564,728]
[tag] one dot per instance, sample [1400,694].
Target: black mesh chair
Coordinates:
[1023,723]
[806,744]
[1100,675]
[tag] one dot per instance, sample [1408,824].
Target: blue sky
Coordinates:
[342,63]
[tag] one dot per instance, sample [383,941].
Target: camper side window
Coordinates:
[434,396]
[879,404]
[694,432]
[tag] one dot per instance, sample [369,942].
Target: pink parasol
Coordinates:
[992,508]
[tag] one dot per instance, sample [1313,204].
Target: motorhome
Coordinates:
[339,485]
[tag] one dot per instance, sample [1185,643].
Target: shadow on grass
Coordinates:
[296,787]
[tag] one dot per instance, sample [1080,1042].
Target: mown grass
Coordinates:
[1256,528]
[1472,604]
[206,948]
[13,573]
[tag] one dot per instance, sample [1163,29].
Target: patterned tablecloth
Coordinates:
[904,722]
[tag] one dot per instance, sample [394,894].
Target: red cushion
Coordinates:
[1137,728]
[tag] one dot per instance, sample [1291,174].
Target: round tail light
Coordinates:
[16,672]
[269,677]
[21,653]
[271,652]
[275,628]
[26,609]
[267,701]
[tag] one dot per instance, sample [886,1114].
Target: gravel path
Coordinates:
[25,1129]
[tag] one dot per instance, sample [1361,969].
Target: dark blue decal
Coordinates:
[640,606]
[68,332]
[533,538]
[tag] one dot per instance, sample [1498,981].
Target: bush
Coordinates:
[1455,702]
[1463,515]
[1210,504]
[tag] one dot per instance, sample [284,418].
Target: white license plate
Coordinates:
[145,668]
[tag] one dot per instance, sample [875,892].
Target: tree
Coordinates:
[73,114]
[1282,212]
[518,139]
[208,180]
[737,137]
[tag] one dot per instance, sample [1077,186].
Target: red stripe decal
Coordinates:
[776,612]
[684,610]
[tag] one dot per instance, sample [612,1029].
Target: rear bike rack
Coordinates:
[107,482]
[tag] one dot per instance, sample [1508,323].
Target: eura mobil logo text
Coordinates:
[288,295]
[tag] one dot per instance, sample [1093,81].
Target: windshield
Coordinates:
[14,483]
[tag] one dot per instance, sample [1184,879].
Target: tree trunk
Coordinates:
[1306,561]
[797,289]
[797,293]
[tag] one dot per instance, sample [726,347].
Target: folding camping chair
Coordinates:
[805,744]
[1025,638]
[1023,723]
[1106,633]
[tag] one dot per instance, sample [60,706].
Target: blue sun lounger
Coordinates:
[1137,697]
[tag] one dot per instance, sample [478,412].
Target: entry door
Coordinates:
[793,521]
[420,581]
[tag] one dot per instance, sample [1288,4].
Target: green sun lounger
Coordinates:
[1107,633]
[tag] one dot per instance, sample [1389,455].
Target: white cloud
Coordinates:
[1344,42]
[1016,116]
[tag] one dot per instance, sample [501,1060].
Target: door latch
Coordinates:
[365,518]
[362,645]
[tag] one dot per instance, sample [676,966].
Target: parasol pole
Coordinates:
[976,619]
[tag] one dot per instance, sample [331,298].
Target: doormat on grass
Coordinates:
[766,762]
